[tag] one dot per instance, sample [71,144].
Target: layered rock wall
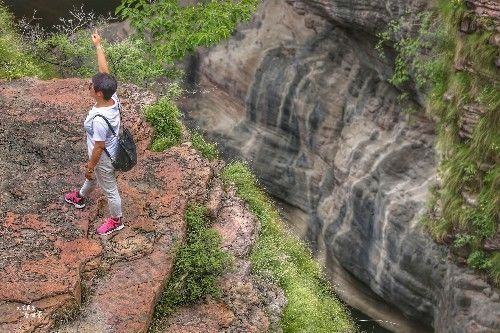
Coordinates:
[301,94]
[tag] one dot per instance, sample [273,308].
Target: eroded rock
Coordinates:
[248,304]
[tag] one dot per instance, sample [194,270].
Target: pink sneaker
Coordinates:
[75,199]
[111,225]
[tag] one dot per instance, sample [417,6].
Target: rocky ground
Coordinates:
[57,275]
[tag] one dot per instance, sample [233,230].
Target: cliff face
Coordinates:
[302,95]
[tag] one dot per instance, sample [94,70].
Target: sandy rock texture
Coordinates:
[51,256]
[302,95]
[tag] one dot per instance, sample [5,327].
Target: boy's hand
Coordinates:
[89,172]
[96,39]
[101,58]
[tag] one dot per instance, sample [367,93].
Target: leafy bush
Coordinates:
[462,240]
[478,260]
[206,149]
[312,306]
[174,31]
[411,48]
[165,33]
[198,263]
[165,118]
[70,49]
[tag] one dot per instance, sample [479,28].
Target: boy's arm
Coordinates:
[101,58]
[94,158]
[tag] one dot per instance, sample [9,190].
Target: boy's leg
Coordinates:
[105,176]
[87,187]
[77,198]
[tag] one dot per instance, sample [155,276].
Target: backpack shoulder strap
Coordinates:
[111,129]
[107,122]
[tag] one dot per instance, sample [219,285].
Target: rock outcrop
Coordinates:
[56,274]
[248,303]
[368,16]
[301,94]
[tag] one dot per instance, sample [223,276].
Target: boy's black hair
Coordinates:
[105,83]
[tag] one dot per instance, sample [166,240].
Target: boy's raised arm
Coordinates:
[101,58]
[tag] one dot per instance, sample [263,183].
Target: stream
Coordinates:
[48,12]
[371,313]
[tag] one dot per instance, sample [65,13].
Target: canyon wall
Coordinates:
[303,96]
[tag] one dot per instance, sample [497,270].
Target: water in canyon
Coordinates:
[371,313]
[48,12]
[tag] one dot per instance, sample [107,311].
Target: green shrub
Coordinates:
[15,62]
[131,64]
[175,30]
[484,261]
[206,149]
[312,306]
[74,56]
[410,48]
[478,260]
[462,240]
[165,118]
[198,263]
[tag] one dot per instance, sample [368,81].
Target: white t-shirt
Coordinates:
[98,130]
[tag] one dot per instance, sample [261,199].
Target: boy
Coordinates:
[99,168]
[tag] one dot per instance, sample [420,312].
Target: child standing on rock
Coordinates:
[104,115]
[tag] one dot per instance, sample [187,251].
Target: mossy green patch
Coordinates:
[165,118]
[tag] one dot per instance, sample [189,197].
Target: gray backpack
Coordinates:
[126,157]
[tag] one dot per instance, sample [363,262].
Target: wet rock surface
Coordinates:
[302,95]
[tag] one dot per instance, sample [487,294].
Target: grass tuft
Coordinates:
[462,167]
[494,264]
[165,118]
[207,149]
[198,264]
